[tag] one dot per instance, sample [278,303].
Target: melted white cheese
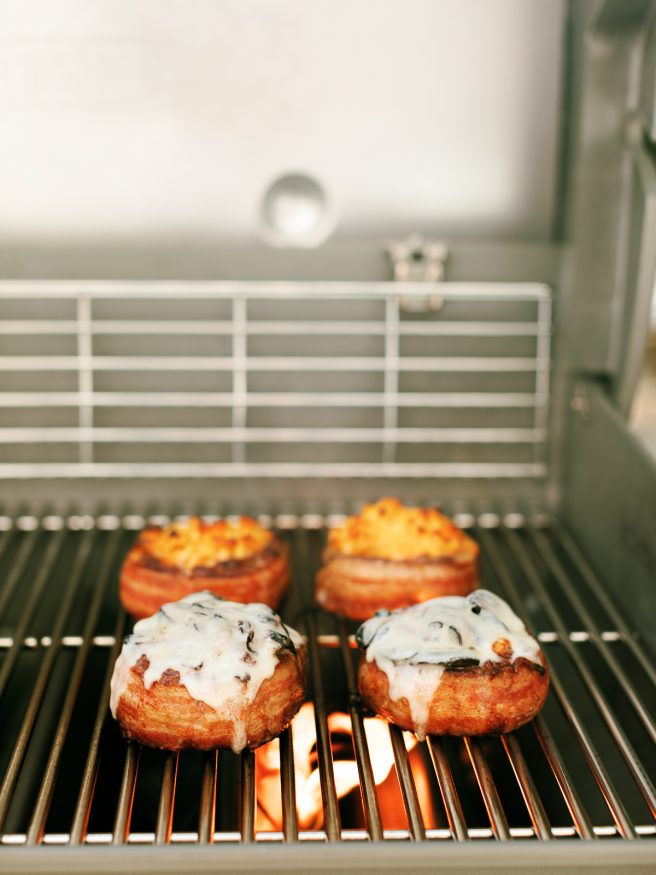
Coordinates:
[222,650]
[414,646]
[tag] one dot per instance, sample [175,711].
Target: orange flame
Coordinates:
[309,801]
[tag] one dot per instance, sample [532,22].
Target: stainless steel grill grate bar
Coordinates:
[408,788]
[324,750]
[444,775]
[288,787]
[5,543]
[326,771]
[586,572]
[247,810]
[16,572]
[583,738]
[570,796]
[75,642]
[527,786]
[362,755]
[37,823]
[206,816]
[85,796]
[610,718]
[137,778]
[126,795]
[38,692]
[488,789]
[594,632]
[319,836]
[164,826]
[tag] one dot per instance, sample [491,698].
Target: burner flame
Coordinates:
[309,801]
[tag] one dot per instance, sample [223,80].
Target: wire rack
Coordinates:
[578,772]
[274,379]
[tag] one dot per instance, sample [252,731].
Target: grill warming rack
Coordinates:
[577,772]
[274,379]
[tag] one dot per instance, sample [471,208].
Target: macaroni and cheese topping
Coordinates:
[389,530]
[195,544]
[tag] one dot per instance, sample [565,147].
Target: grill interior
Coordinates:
[578,772]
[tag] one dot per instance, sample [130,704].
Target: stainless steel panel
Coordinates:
[148,121]
[419,858]
[648,80]
[337,260]
[609,500]
[632,330]
[607,44]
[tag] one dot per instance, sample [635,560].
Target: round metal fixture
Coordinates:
[296,212]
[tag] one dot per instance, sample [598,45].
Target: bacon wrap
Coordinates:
[146,583]
[166,716]
[356,587]
[482,700]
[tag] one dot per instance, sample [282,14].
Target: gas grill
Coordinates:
[292,383]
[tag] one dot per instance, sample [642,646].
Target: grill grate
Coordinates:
[577,772]
[287,379]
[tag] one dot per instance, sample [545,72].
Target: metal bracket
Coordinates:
[417,260]
[580,403]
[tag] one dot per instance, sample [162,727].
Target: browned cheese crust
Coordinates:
[391,556]
[490,699]
[166,716]
[146,584]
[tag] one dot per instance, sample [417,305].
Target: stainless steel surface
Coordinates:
[196,111]
[525,786]
[607,467]
[164,825]
[288,788]
[126,796]
[570,796]
[607,46]
[408,789]
[352,260]
[290,380]
[355,858]
[448,789]
[528,788]
[495,812]
[640,277]
[583,736]
[648,83]
[247,823]
[600,699]
[324,749]
[206,816]
[362,754]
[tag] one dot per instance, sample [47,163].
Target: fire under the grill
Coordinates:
[579,771]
